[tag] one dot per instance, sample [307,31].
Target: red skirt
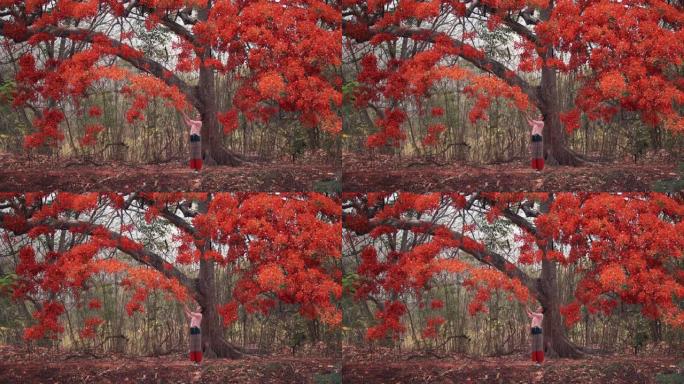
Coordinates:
[538,164]
[197,357]
[196,164]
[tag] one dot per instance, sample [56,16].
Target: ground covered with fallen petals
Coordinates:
[383,173]
[616,369]
[17,366]
[48,174]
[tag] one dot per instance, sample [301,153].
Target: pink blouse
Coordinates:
[195,319]
[537,126]
[195,126]
[537,319]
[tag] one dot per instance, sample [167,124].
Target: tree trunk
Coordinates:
[555,143]
[212,134]
[554,331]
[314,136]
[215,345]
[656,141]
[556,342]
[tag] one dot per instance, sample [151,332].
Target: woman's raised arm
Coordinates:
[187,120]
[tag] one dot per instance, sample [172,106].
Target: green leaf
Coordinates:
[349,280]
[7,280]
[349,87]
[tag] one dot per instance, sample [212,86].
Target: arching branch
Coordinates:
[140,62]
[143,256]
[484,63]
[484,255]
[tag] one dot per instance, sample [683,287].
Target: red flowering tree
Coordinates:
[282,248]
[625,248]
[623,54]
[281,56]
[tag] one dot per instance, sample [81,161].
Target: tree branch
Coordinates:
[486,64]
[143,256]
[186,16]
[174,219]
[178,29]
[178,222]
[520,221]
[142,63]
[521,30]
[485,255]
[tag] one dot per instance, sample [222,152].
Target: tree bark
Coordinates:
[212,329]
[212,134]
[555,338]
[314,136]
[555,143]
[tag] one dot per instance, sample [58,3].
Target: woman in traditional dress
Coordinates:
[537,144]
[195,141]
[537,334]
[195,334]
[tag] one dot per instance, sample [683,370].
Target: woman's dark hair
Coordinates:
[543,309]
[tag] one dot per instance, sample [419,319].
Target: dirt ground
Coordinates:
[515,369]
[167,369]
[358,175]
[381,174]
[46,175]
[48,366]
